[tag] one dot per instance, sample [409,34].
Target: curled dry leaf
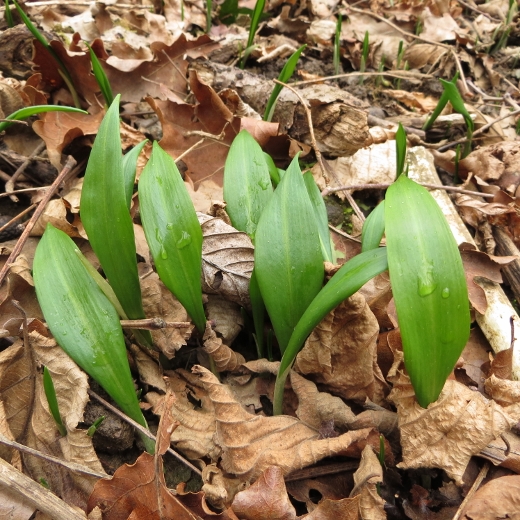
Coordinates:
[496,499]
[266,499]
[227,260]
[226,315]
[252,443]
[504,392]
[346,509]
[225,358]
[159,302]
[450,431]
[341,352]
[315,408]
[219,490]
[55,212]
[369,473]
[196,431]
[488,208]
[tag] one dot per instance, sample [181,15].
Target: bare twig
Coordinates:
[153,324]
[18,217]
[325,168]
[36,215]
[9,185]
[142,430]
[480,477]
[401,74]
[384,186]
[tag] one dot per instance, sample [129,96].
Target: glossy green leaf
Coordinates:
[105,216]
[400,149]
[274,172]
[52,400]
[82,320]
[258,312]
[320,212]
[255,20]
[350,278]
[173,232]
[428,285]
[26,112]
[129,169]
[284,77]
[288,259]
[247,184]
[101,77]
[373,228]
[8,15]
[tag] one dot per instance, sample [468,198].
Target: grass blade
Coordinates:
[50,394]
[350,278]
[105,216]
[428,285]
[82,320]
[101,77]
[400,149]
[173,232]
[288,259]
[26,112]
[255,20]
[320,212]
[373,228]
[129,169]
[284,77]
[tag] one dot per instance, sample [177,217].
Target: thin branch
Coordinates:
[36,215]
[153,324]
[18,217]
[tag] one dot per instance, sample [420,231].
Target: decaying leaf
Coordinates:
[341,351]
[225,358]
[266,499]
[450,431]
[252,443]
[227,260]
[369,473]
[226,315]
[502,391]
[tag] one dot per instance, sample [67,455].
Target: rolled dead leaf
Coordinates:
[225,358]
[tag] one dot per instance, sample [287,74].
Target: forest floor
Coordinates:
[354,443]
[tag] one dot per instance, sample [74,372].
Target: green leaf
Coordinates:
[373,228]
[129,169]
[105,216]
[288,259]
[50,394]
[255,20]
[26,112]
[101,77]
[428,285]
[8,15]
[258,312]
[400,148]
[284,77]
[247,185]
[82,320]
[320,212]
[274,172]
[350,278]
[173,232]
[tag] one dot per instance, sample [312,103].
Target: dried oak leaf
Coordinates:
[226,359]
[266,499]
[496,499]
[252,443]
[227,260]
[341,352]
[504,392]
[27,416]
[185,125]
[369,473]
[226,315]
[194,411]
[450,431]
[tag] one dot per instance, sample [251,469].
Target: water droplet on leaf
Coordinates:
[426,281]
[446,293]
[184,240]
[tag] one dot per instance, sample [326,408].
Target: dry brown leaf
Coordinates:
[195,434]
[159,302]
[225,358]
[251,443]
[226,315]
[496,499]
[341,351]
[504,392]
[450,431]
[378,293]
[488,208]
[227,260]
[219,490]
[55,213]
[266,499]
[29,421]
[346,509]
[13,506]
[316,408]
[414,99]
[369,473]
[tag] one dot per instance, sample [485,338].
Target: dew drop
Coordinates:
[264,184]
[164,254]
[184,240]
[426,281]
[170,225]
[446,293]
[158,236]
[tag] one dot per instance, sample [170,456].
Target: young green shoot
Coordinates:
[284,77]
[62,69]
[95,425]
[504,29]
[337,46]
[452,95]
[364,56]
[101,77]
[50,394]
[255,20]
[400,150]
[209,7]
[26,112]
[8,15]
